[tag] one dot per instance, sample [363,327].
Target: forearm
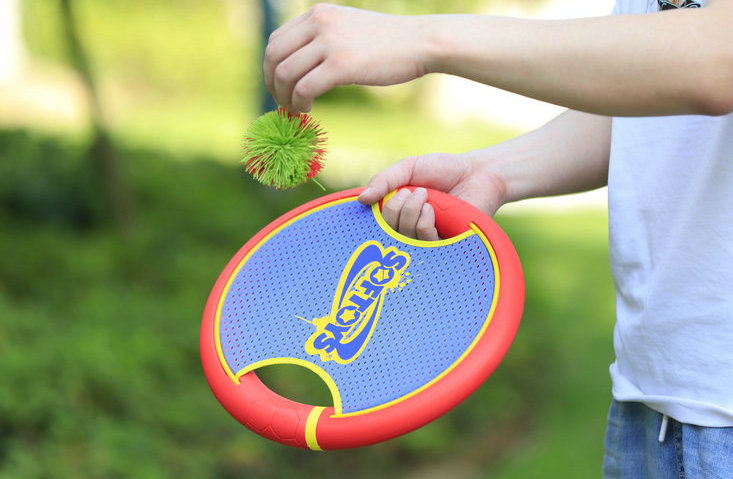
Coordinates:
[567,155]
[634,65]
[664,63]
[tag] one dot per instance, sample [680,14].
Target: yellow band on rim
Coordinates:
[310,428]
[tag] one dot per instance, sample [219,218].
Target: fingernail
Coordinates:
[367,191]
[402,194]
[421,193]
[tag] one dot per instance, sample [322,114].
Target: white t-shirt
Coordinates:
[670,190]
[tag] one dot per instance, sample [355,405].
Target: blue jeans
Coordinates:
[633,449]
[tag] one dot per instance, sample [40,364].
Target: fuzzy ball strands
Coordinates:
[283,150]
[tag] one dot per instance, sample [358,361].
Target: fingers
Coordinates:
[425,227]
[387,180]
[332,45]
[293,71]
[411,215]
[292,56]
[392,209]
[408,213]
[315,83]
[287,59]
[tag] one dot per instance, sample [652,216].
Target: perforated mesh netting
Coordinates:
[423,328]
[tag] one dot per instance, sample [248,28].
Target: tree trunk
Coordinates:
[269,24]
[115,193]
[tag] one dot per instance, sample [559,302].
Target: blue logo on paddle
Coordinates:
[370,273]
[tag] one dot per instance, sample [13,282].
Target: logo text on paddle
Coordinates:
[370,273]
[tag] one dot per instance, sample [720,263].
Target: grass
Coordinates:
[98,332]
[101,376]
[567,274]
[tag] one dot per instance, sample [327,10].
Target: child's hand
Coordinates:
[330,46]
[463,176]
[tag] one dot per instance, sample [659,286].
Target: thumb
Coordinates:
[388,180]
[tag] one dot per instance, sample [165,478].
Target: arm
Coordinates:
[673,62]
[569,154]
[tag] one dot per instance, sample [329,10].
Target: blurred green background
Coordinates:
[122,198]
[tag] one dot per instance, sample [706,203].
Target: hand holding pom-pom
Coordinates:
[283,150]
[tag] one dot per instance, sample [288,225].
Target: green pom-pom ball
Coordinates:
[283,150]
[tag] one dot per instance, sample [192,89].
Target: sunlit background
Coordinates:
[122,198]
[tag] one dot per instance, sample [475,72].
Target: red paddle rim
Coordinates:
[315,427]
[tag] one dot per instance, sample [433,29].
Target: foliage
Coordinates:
[99,335]
[99,331]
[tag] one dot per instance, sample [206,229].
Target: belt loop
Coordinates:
[663,428]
